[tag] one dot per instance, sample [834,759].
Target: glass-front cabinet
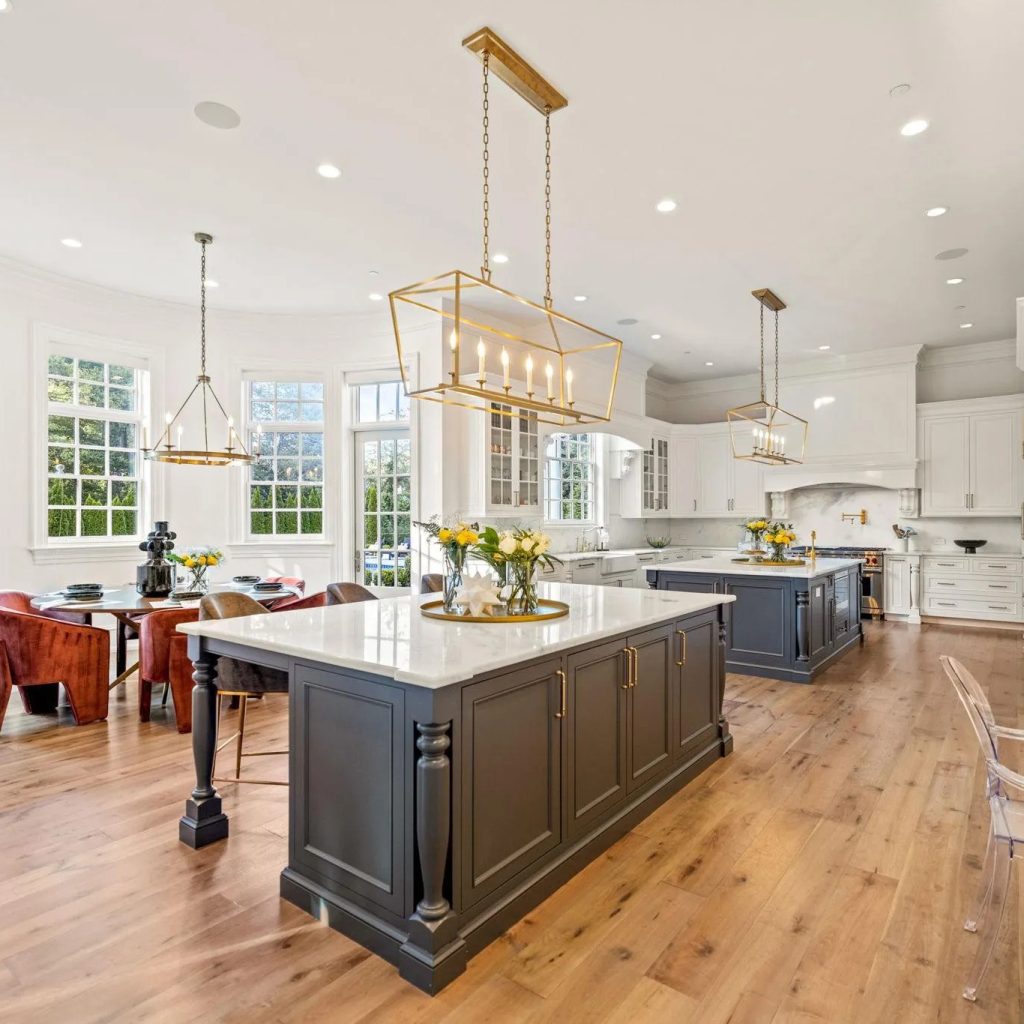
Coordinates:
[512,462]
[645,487]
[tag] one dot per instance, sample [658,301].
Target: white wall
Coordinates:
[196,500]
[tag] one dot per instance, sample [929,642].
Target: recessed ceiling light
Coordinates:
[936,211]
[374,273]
[915,127]
[211,283]
[627,321]
[328,171]
[950,254]
[709,363]
[500,257]
[375,296]
[579,298]
[666,205]
[824,348]
[71,243]
[954,280]
[217,115]
[899,90]
[968,324]
[655,337]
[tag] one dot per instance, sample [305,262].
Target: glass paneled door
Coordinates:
[384,500]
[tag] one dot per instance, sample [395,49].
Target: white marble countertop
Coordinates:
[726,567]
[575,556]
[391,638]
[958,553]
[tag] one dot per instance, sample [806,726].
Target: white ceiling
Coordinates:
[770,124]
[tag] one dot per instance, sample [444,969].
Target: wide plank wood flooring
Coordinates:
[820,874]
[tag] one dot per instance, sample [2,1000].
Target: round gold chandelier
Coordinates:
[168,447]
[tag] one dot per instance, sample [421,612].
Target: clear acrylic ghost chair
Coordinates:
[1006,831]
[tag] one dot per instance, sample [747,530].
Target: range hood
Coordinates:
[892,476]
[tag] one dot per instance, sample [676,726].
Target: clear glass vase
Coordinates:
[522,599]
[454,563]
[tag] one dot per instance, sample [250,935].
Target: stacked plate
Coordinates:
[245,581]
[84,592]
[267,588]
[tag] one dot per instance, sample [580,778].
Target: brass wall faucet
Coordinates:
[854,517]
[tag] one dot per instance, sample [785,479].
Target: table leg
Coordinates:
[120,657]
[203,821]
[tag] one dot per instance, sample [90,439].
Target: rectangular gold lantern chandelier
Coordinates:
[763,431]
[502,351]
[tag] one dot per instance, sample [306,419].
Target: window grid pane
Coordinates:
[93,471]
[385,402]
[570,475]
[285,494]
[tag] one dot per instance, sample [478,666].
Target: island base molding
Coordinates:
[432,971]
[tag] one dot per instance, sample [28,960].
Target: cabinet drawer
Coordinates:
[944,563]
[973,607]
[998,566]
[999,587]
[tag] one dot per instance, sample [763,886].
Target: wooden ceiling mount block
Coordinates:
[515,72]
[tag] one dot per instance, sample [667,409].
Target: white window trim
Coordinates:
[47,338]
[597,447]
[266,545]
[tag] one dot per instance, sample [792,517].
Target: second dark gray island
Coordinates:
[788,622]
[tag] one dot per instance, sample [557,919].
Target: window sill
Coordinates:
[270,547]
[56,554]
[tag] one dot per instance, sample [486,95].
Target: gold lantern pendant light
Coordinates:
[168,447]
[763,431]
[502,352]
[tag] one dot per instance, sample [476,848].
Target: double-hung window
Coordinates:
[94,417]
[570,478]
[285,427]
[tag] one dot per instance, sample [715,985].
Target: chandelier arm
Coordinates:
[167,429]
[224,413]
[206,423]
[762,354]
[547,207]
[485,269]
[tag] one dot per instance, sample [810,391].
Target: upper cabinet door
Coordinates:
[747,487]
[715,467]
[683,477]
[945,454]
[995,464]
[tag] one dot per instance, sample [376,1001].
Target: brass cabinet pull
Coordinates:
[629,669]
[562,680]
[682,647]
[636,668]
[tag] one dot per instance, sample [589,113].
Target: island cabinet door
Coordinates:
[696,583]
[761,624]
[820,623]
[511,774]
[695,700]
[649,732]
[346,783]
[598,681]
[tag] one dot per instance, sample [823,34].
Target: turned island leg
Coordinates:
[433,954]
[203,821]
[803,640]
[725,735]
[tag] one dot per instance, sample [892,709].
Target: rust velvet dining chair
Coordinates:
[38,653]
[159,642]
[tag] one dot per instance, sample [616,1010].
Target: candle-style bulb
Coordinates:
[453,340]
[505,365]
[168,419]
[529,375]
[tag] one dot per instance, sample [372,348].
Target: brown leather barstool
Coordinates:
[431,583]
[348,593]
[241,679]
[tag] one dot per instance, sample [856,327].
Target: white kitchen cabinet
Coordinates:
[971,457]
[683,477]
[897,585]
[504,463]
[726,486]
[644,490]
[973,587]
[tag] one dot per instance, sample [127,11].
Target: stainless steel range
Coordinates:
[872,597]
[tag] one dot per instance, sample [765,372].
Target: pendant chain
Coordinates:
[485,270]
[202,310]
[776,358]
[762,352]
[547,207]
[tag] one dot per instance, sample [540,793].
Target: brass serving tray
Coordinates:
[765,561]
[548,609]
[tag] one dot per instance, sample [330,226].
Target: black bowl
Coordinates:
[245,579]
[85,596]
[970,546]
[268,588]
[71,588]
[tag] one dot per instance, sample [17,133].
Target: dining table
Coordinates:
[127,605]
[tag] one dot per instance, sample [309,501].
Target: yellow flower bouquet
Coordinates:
[779,536]
[455,539]
[197,561]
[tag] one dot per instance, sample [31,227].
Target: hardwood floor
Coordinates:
[820,874]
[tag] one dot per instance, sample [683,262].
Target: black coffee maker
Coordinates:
[155,577]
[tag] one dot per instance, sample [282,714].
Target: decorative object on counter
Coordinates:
[855,517]
[479,595]
[524,550]
[659,542]
[755,529]
[198,561]
[763,431]
[155,577]
[454,540]
[779,537]
[970,546]
[547,608]
[903,535]
[532,368]
[168,446]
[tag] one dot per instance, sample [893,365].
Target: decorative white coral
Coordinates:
[479,594]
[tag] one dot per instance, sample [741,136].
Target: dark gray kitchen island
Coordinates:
[446,777]
[788,622]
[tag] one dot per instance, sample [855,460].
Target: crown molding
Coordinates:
[980,352]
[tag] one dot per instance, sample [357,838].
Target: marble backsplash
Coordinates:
[821,508]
